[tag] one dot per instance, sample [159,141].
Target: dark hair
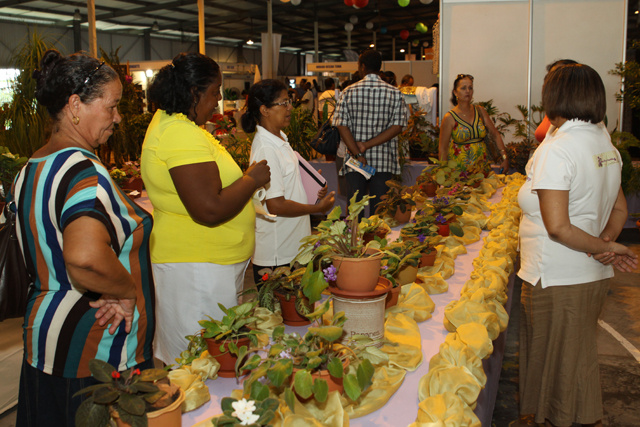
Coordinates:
[329,82]
[60,76]
[177,87]
[371,59]
[405,79]
[574,91]
[262,93]
[391,78]
[559,63]
[454,100]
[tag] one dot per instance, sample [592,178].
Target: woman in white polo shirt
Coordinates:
[278,239]
[573,207]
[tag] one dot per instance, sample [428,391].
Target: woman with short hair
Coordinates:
[573,207]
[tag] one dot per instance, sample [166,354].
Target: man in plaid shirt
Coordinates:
[369,116]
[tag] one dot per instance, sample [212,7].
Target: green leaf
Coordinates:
[90,389]
[132,404]
[375,355]
[105,396]
[153,397]
[242,352]
[91,415]
[329,333]
[280,371]
[225,403]
[364,374]
[290,399]
[146,387]
[152,375]
[320,311]
[335,367]
[351,387]
[303,382]
[253,362]
[265,418]
[314,362]
[259,391]
[101,370]
[320,390]
[335,214]
[134,421]
[456,210]
[278,332]
[456,230]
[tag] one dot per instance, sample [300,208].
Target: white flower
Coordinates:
[244,411]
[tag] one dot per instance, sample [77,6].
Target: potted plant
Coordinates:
[295,292]
[133,398]
[426,182]
[341,243]
[229,337]
[397,203]
[10,165]
[128,178]
[446,172]
[292,362]
[400,264]
[252,412]
[373,227]
[445,209]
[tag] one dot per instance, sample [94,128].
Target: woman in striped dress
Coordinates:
[85,244]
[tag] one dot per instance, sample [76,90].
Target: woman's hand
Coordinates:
[327,202]
[118,309]
[323,192]
[505,165]
[259,172]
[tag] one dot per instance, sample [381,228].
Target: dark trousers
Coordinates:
[47,401]
[376,186]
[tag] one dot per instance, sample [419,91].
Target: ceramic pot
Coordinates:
[369,236]
[402,217]
[226,359]
[443,230]
[392,297]
[427,260]
[357,274]
[407,274]
[429,188]
[169,416]
[290,315]
[335,384]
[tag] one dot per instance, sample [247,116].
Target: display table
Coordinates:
[402,408]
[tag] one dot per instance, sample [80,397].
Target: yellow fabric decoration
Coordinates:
[454,379]
[191,378]
[476,337]
[457,313]
[386,381]
[267,320]
[413,302]
[445,410]
[405,345]
[471,235]
[329,413]
[432,285]
[457,353]
[455,247]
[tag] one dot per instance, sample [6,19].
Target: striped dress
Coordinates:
[61,334]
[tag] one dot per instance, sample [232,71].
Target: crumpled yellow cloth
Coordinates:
[457,313]
[454,379]
[489,280]
[471,234]
[455,246]
[413,302]
[191,379]
[432,285]
[445,410]
[405,347]
[444,264]
[456,353]
[267,320]
[475,336]
[329,413]
[386,381]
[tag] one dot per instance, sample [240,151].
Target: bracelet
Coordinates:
[504,156]
[359,155]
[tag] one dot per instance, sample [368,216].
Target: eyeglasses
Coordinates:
[463,76]
[86,80]
[284,104]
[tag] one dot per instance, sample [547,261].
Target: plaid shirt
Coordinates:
[368,108]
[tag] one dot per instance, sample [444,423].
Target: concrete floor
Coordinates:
[619,356]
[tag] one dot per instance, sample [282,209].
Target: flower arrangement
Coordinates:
[292,359]
[131,394]
[444,209]
[123,175]
[246,412]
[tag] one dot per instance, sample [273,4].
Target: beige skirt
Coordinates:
[559,373]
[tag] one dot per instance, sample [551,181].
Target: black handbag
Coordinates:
[327,139]
[15,281]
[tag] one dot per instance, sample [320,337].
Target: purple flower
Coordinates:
[315,246]
[441,219]
[421,238]
[385,267]
[330,273]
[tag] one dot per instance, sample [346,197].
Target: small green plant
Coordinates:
[10,165]
[397,255]
[398,197]
[246,412]
[233,326]
[131,393]
[302,128]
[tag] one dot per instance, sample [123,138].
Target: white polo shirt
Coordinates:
[578,157]
[277,242]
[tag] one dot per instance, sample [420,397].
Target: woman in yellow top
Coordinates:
[466,125]
[203,234]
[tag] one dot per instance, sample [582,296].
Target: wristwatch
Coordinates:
[359,155]
[504,154]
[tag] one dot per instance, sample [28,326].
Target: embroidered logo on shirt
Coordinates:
[605,159]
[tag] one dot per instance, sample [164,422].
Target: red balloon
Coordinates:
[362,3]
[404,34]
[349,2]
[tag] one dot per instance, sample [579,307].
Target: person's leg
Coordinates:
[378,188]
[342,181]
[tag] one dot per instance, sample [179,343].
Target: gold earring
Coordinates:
[75,120]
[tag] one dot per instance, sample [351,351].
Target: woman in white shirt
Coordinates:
[278,239]
[573,207]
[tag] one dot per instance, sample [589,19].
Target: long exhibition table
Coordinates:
[402,408]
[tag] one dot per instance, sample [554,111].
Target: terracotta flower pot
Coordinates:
[427,260]
[169,416]
[407,274]
[476,184]
[402,217]
[392,297]
[333,382]
[133,184]
[226,359]
[290,315]
[429,188]
[357,274]
[369,236]
[443,230]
